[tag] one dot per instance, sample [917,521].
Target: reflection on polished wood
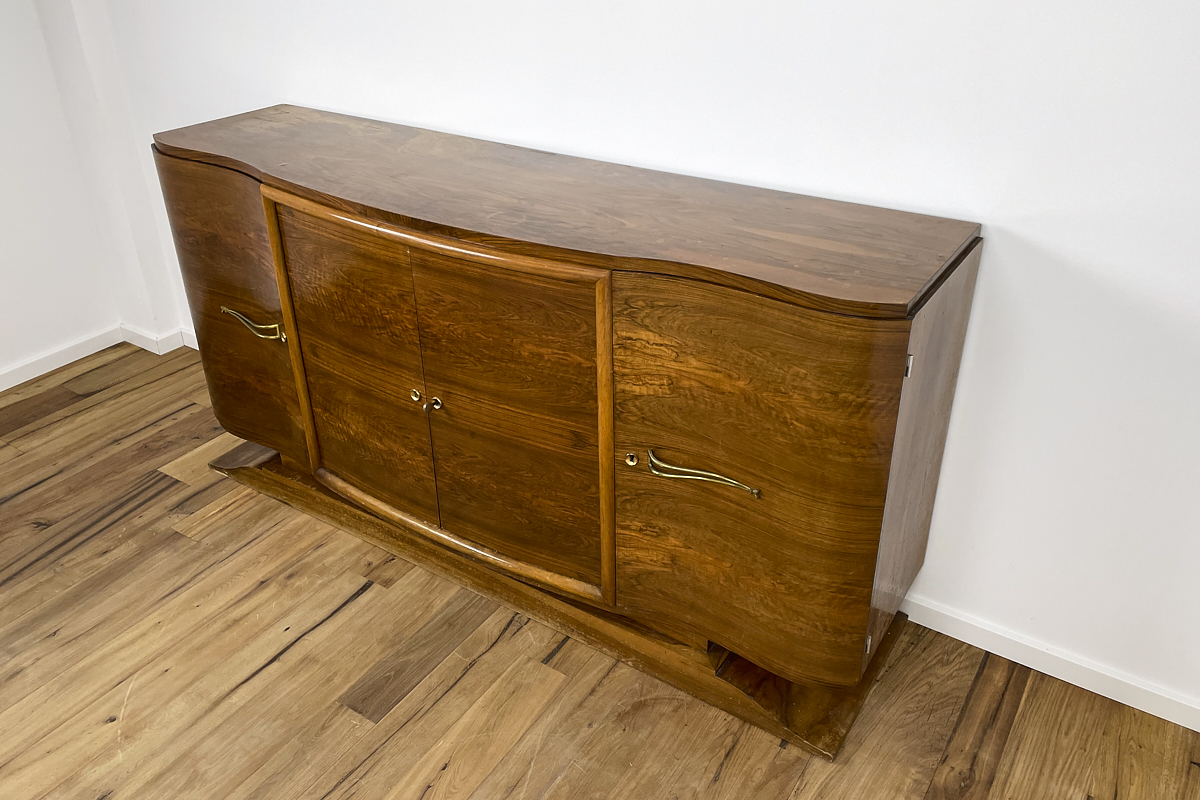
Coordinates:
[222,235]
[771,384]
[185,637]
[842,257]
[688,410]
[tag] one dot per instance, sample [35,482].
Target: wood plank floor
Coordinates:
[166,633]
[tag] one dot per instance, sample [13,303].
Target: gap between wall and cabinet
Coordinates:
[1069,667]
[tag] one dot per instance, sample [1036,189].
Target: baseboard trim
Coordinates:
[155,344]
[48,362]
[94,343]
[1074,669]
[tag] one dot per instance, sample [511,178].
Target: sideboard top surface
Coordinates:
[836,256]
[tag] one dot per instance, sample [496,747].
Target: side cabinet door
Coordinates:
[518,352]
[224,249]
[732,392]
[352,293]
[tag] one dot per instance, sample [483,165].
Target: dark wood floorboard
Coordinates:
[167,633]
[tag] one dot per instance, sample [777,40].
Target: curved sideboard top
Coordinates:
[824,254]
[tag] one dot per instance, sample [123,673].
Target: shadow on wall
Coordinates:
[1066,509]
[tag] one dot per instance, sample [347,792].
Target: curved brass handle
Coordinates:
[261,331]
[431,405]
[657,466]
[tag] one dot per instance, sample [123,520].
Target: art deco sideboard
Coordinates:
[697,424]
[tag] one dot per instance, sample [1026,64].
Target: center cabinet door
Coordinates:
[518,352]
[356,322]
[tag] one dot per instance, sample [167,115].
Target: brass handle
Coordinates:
[261,331]
[431,405]
[657,466]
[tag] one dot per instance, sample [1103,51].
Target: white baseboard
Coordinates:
[47,362]
[1070,667]
[94,343]
[155,344]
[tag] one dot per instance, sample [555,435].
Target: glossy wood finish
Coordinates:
[525,425]
[798,404]
[814,718]
[512,355]
[557,317]
[224,249]
[356,324]
[186,637]
[936,346]
[837,256]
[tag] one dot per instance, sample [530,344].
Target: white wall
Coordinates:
[1064,534]
[54,303]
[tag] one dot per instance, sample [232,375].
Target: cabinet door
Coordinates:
[224,249]
[797,405]
[514,350]
[356,321]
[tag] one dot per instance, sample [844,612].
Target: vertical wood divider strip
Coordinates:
[608,476]
[290,326]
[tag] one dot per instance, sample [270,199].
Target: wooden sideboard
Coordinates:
[698,424]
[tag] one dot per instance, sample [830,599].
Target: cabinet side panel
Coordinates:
[224,249]
[936,345]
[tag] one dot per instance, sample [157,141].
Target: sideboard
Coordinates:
[697,424]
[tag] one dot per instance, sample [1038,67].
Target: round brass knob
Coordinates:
[631,459]
[432,405]
[415,395]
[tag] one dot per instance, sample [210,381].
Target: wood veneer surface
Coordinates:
[164,632]
[796,404]
[185,637]
[844,257]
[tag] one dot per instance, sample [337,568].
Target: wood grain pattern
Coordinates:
[227,683]
[520,350]
[94,363]
[1141,756]
[17,415]
[665,657]
[936,346]
[224,249]
[192,468]
[291,330]
[798,404]
[356,321]
[389,681]
[461,759]
[917,698]
[512,355]
[1056,737]
[604,412]
[463,547]
[969,764]
[838,256]
[1191,790]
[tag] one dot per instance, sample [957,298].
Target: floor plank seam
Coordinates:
[104,593]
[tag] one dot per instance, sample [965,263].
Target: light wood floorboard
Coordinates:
[167,633]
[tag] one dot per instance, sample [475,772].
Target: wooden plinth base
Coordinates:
[815,718]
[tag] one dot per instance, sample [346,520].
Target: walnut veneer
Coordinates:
[684,414]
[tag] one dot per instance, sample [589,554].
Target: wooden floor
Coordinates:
[166,633]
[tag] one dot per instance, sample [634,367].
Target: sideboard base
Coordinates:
[815,718]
